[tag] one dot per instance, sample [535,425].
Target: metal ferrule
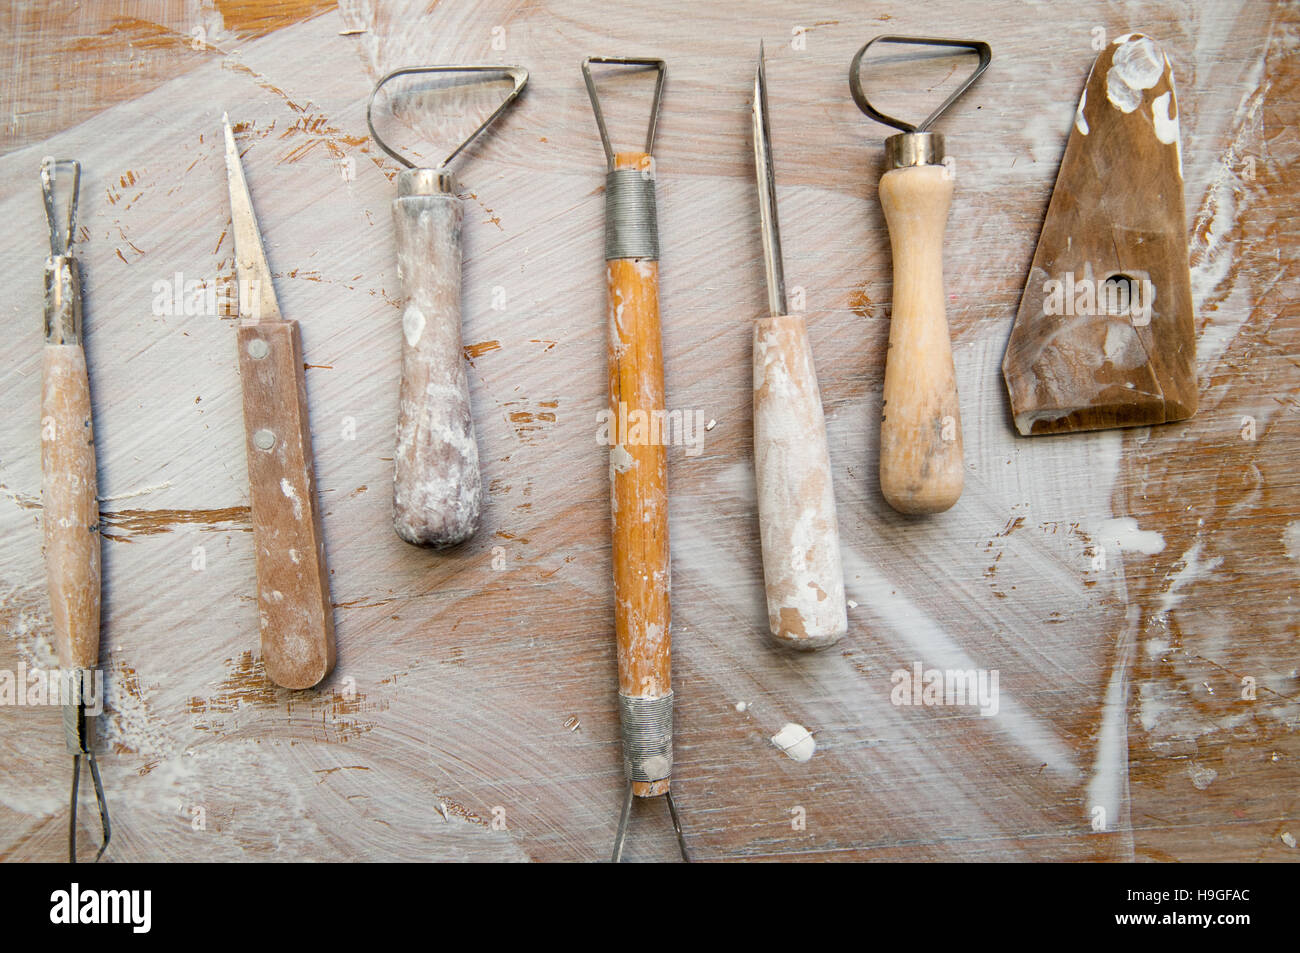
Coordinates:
[913,148]
[631,221]
[76,726]
[647,737]
[426,182]
[62,300]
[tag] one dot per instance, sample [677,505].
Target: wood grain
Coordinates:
[293,592]
[69,506]
[798,530]
[437,488]
[471,714]
[921,457]
[1105,335]
[638,479]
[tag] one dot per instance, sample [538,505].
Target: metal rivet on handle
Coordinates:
[263,439]
[258,349]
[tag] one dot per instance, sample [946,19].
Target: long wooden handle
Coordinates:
[920,429]
[796,500]
[70,509]
[437,489]
[293,596]
[638,474]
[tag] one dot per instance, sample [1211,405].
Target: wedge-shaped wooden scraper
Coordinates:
[1104,336]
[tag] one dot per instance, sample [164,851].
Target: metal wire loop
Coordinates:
[516,73]
[984,51]
[661,69]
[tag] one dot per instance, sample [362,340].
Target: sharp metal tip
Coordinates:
[763,167]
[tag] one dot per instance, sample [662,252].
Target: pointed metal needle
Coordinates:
[256,292]
[763,168]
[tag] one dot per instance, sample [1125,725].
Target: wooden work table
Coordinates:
[1128,587]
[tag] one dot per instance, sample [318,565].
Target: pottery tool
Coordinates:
[437,489]
[638,468]
[796,498]
[293,596]
[69,504]
[920,425]
[1104,336]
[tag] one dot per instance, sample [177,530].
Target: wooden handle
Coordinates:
[293,597]
[437,490]
[638,474]
[70,510]
[920,428]
[796,500]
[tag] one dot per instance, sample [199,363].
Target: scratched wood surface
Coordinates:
[471,714]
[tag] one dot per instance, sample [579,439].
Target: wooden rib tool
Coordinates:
[293,595]
[796,498]
[920,425]
[69,504]
[437,489]
[638,470]
[1105,335]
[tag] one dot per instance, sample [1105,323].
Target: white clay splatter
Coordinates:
[1123,534]
[1291,540]
[1167,130]
[290,494]
[1135,66]
[1166,125]
[796,741]
[1122,347]
[620,460]
[1079,122]
[1202,776]
[1288,838]
[413,325]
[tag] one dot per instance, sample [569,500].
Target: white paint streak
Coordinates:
[1122,533]
[290,494]
[141,491]
[1193,570]
[1110,770]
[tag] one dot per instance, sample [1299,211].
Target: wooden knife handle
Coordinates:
[796,500]
[437,489]
[921,468]
[638,474]
[293,596]
[70,509]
